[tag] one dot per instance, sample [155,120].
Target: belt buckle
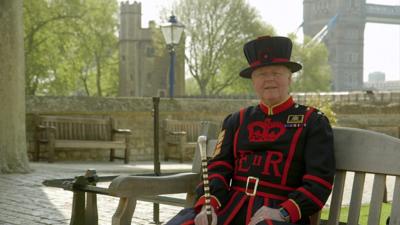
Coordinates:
[250,179]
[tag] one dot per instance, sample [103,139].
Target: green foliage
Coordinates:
[324,106]
[214,56]
[191,87]
[316,73]
[71,47]
[216,32]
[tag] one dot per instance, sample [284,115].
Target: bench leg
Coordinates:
[51,147]
[181,152]
[190,199]
[126,158]
[124,213]
[36,155]
[91,209]
[78,208]
[112,155]
[127,152]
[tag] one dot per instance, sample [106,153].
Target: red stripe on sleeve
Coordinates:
[220,163]
[318,180]
[311,196]
[218,176]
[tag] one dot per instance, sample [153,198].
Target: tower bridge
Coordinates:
[346,41]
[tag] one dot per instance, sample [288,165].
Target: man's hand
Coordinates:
[265,213]
[201,218]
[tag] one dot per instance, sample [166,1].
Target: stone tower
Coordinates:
[345,42]
[143,73]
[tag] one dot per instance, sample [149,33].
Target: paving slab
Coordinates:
[25,201]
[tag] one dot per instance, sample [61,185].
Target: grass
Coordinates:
[363,215]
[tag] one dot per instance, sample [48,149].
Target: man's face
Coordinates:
[271,83]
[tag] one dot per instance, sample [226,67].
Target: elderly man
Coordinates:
[273,162]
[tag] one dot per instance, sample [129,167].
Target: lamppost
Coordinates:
[172,32]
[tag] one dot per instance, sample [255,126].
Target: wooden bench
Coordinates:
[79,132]
[84,203]
[356,150]
[364,152]
[180,138]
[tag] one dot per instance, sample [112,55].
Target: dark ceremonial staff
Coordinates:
[202,140]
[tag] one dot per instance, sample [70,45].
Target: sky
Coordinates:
[381,41]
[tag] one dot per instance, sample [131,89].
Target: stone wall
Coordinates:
[136,114]
[129,112]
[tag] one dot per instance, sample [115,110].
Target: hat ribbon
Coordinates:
[274,60]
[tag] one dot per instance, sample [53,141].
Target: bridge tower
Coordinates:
[346,41]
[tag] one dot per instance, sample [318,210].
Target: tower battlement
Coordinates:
[134,8]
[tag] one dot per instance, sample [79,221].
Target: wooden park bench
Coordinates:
[180,138]
[356,150]
[79,132]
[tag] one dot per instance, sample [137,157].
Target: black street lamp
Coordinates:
[172,32]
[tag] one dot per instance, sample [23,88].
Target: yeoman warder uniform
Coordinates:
[281,156]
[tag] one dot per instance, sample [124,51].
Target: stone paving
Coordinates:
[25,201]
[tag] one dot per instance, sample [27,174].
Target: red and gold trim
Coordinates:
[202,200]
[278,108]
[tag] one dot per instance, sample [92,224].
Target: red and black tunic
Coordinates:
[278,157]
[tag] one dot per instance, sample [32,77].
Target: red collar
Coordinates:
[275,109]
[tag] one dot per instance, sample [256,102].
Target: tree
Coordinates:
[316,73]
[13,152]
[71,47]
[216,32]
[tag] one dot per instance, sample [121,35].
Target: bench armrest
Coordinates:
[122,131]
[134,186]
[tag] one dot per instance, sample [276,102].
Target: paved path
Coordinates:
[25,201]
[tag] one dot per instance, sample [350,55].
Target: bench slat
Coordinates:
[378,189]
[395,215]
[356,198]
[337,196]
[89,144]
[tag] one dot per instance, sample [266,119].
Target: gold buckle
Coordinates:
[250,179]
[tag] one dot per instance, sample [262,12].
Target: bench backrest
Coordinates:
[79,127]
[192,128]
[362,151]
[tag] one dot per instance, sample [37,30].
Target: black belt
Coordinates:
[252,186]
